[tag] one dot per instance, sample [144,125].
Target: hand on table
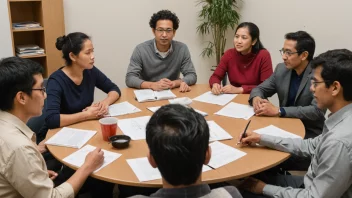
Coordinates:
[92,112]
[103,108]
[216,89]
[94,160]
[184,87]
[267,109]
[162,85]
[229,89]
[250,138]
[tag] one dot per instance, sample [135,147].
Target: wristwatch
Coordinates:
[279,112]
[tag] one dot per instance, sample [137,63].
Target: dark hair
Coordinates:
[16,74]
[178,139]
[73,42]
[305,42]
[254,32]
[336,66]
[164,15]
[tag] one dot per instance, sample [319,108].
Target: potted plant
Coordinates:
[217,17]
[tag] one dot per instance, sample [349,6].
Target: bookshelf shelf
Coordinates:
[27,29]
[49,14]
[22,0]
[34,56]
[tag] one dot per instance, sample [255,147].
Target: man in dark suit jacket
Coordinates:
[291,81]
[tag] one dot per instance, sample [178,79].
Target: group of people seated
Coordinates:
[177,136]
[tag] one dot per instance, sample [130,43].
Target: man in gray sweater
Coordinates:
[330,172]
[156,64]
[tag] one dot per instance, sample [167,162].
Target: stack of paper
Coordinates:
[122,109]
[222,154]
[144,95]
[217,133]
[221,99]
[145,172]
[26,25]
[154,109]
[77,158]
[70,137]
[182,101]
[235,110]
[275,131]
[27,50]
[134,127]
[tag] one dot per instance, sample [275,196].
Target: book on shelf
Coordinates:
[145,95]
[28,54]
[26,24]
[39,51]
[20,48]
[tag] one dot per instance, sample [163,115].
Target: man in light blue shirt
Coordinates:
[330,172]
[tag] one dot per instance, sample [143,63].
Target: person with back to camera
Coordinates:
[178,142]
[248,64]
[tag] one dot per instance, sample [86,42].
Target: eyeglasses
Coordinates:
[40,89]
[315,83]
[287,53]
[167,31]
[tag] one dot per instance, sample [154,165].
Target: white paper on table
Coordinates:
[144,95]
[275,131]
[182,101]
[134,127]
[154,109]
[216,132]
[77,158]
[145,172]
[122,108]
[235,110]
[71,137]
[222,154]
[221,99]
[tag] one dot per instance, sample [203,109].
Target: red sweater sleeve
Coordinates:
[220,70]
[266,69]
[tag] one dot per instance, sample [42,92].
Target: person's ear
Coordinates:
[254,42]
[336,88]
[152,161]
[304,55]
[72,57]
[207,155]
[153,30]
[21,98]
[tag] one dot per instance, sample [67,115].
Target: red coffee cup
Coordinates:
[108,127]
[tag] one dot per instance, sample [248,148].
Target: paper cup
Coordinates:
[108,127]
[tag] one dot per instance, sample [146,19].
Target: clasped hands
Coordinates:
[262,107]
[97,110]
[169,84]
[228,89]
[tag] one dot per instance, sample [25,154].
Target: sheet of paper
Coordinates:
[182,101]
[134,127]
[217,133]
[143,95]
[235,110]
[154,109]
[77,158]
[275,131]
[222,154]
[122,108]
[71,137]
[145,172]
[164,94]
[221,99]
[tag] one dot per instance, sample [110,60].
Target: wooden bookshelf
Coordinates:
[50,15]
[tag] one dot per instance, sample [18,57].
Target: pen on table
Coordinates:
[244,133]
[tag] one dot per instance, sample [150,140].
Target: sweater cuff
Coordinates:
[270,190]
[283,112]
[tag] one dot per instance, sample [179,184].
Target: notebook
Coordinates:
[145,95]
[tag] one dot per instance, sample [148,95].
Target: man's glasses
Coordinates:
[287,53]
[315,83]
[40,89]
[167,31]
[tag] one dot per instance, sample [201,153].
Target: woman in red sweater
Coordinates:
[248,64]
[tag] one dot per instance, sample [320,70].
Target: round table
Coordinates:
[257,159]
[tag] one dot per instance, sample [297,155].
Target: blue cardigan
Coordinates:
[65,97]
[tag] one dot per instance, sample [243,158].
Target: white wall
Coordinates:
[5,34]
[117,26]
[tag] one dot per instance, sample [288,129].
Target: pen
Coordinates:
[244,133]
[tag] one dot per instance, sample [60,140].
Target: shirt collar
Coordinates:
[190,191]
[338,116]
[157,52]
[12,119]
